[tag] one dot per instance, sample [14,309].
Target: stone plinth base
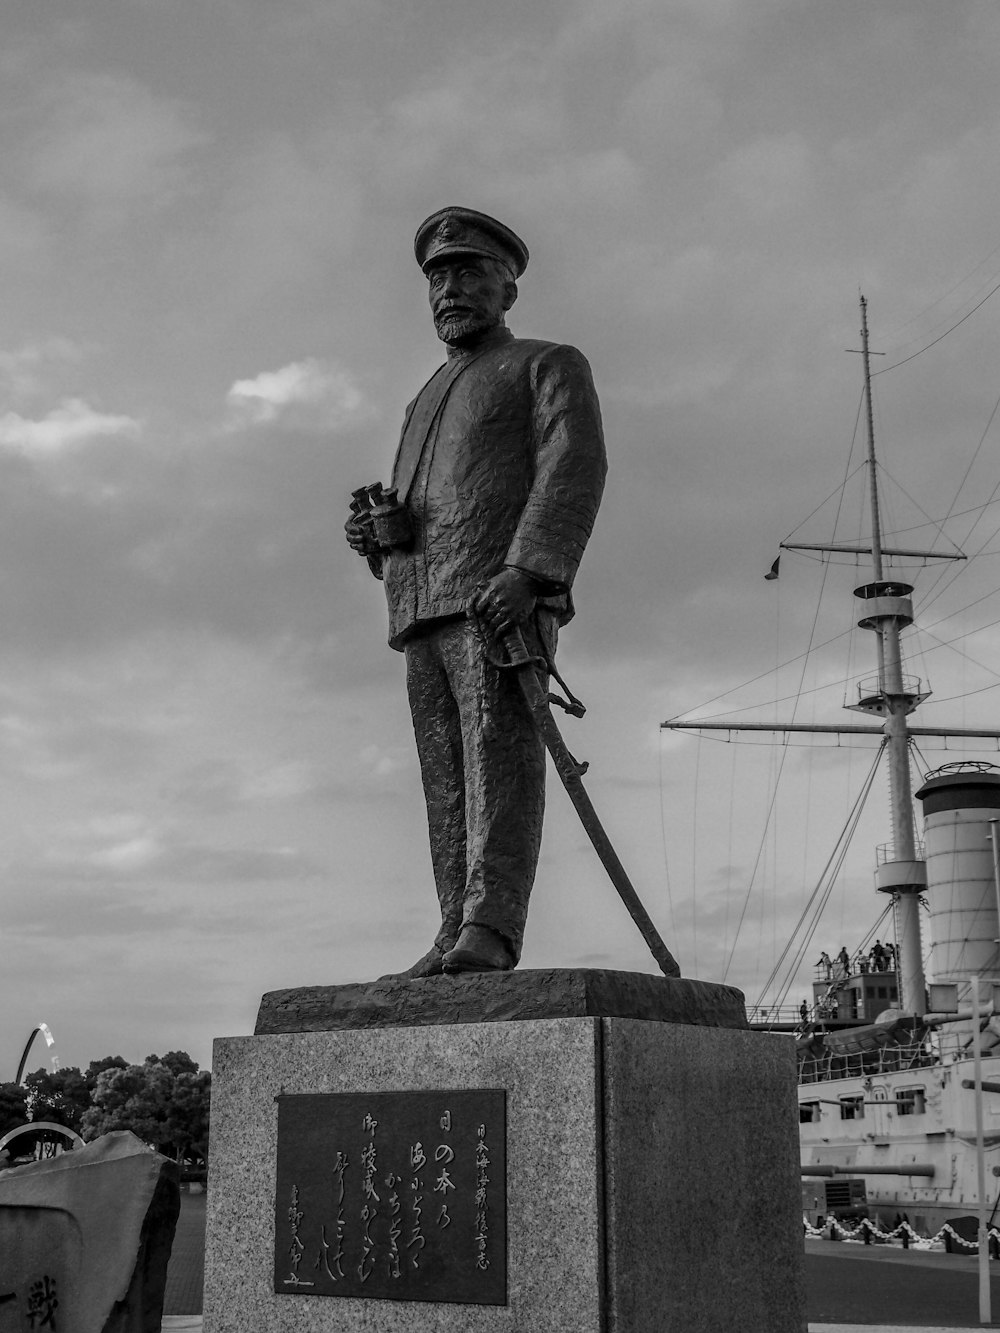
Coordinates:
[651,1177]
[502,997]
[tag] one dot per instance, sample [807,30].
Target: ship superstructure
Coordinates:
[888,1101]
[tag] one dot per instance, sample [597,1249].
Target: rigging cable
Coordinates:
[807,941]
[933,522]
[812,647]
[859,675]
[943,575]
[944,296]
[768,878]
[928,600]
[915,749]
[761,676]
[912,357]
[835,860]
[774,790]
[941,643]
[840,489]
[920,755]
[961,611]
[729,849]
[876,929]
[666,858]
[957,513]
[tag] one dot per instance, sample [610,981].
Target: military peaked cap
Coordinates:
[463,231]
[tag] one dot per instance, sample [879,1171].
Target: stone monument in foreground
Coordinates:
[85,1239]
[460,1146]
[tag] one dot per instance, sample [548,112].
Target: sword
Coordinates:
[570,774]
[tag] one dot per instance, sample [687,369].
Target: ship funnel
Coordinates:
[959,800]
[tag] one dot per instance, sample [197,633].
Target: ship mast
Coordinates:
[887,610]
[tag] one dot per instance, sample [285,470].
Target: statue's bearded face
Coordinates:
[469,295]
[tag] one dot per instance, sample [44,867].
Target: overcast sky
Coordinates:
[211,321]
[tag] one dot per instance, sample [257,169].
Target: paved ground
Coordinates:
[186,1270]
[851,1288]
[177,1323]
[878,1286]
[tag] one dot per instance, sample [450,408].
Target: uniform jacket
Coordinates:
[509,470]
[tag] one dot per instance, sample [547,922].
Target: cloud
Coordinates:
[673,110]
[381,763]
[187,637]
[770,176]
[70,426]
[129,856]
[24,235]
[111,142]
[305,395]
[144,860]
[291,208]
[25,371]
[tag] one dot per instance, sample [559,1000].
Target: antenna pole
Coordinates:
[872,480]
[877,565]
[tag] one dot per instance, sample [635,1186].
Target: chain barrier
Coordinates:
[867,1232]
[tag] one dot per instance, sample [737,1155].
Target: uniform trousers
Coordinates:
[482,763]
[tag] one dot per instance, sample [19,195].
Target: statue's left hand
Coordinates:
[506,601]
[360,537]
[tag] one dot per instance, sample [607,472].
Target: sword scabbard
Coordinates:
[536,697]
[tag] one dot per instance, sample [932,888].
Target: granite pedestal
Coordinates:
[651,1176]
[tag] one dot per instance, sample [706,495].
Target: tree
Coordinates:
[61,1096]
[178,1062]
[97,1067]
[166,1109]
[13,1107]
[189,1114]
[134,1098]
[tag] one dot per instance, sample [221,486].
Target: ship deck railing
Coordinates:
[775,1015]
[826,1065]
[928,1049]
[860,965]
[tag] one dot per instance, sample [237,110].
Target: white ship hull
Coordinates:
[919,1117]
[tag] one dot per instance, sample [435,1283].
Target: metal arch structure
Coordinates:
[35,1125]
[43,1028]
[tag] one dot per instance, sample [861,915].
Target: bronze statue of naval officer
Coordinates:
[495,487]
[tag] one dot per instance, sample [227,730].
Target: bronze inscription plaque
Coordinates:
[393,1196]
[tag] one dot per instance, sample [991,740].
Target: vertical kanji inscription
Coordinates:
[392,1196]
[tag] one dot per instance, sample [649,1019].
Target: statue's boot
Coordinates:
[479,949]
[430,965]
